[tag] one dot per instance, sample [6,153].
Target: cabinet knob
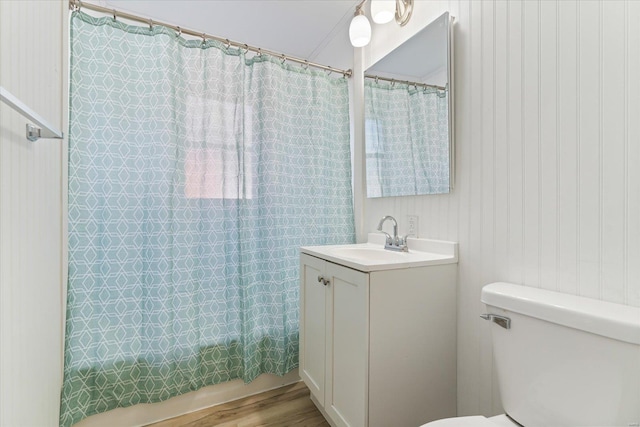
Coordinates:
[323,280]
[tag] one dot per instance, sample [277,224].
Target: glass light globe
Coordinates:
[360,31]
[383,11]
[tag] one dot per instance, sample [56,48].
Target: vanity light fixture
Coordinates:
[360,28]
[382,11]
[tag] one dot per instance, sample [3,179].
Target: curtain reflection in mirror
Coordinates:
[407,139]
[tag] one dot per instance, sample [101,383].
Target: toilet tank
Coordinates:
[565,360]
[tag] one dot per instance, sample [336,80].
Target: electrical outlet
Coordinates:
[412,225]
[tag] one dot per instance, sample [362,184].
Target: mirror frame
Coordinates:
[450,86]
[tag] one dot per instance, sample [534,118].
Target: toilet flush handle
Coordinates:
[503,321]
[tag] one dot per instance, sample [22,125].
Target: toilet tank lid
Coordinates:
[617,321]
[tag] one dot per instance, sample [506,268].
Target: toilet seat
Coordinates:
[475,421]
[504,421]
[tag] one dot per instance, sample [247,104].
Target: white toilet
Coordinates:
[561,360]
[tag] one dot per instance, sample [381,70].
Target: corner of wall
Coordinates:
[32,260]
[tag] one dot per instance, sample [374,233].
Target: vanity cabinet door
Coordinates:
[334,339]
[347,346]
[312,325]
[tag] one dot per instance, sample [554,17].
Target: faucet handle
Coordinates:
[406,236]
[388,238]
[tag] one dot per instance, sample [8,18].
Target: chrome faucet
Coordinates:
[395,243]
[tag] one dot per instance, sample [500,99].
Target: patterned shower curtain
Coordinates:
[195,173]
[407,139]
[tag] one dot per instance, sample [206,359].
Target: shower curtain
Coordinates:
[407,139]
[195,173]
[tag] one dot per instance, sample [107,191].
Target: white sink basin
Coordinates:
[372,256]
[368,254]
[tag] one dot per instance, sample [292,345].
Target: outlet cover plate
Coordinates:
[412,225]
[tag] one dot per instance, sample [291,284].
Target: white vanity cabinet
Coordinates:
[378,348]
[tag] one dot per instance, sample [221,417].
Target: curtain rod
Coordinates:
[406,82]
[79,5]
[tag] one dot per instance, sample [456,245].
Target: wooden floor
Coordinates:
[286,406]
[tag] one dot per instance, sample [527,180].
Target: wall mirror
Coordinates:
[408,98]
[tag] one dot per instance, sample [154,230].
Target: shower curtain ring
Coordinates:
[305,65]
[179,32]
[246,48]
[283,59]
[150,24]
[259,52]
[204,39]
[228,45]
[115,15]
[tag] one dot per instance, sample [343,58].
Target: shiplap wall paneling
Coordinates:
[547,188]
[548,166]
[31,264]
[568,143]
[613,82]
[589,109]
[632,155]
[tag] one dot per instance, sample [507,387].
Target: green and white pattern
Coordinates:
[195,173]
[407,140]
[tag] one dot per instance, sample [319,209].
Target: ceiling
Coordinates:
[317,30]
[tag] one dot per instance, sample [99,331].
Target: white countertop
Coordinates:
[372,256]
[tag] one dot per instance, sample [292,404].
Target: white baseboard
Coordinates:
[143,414]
